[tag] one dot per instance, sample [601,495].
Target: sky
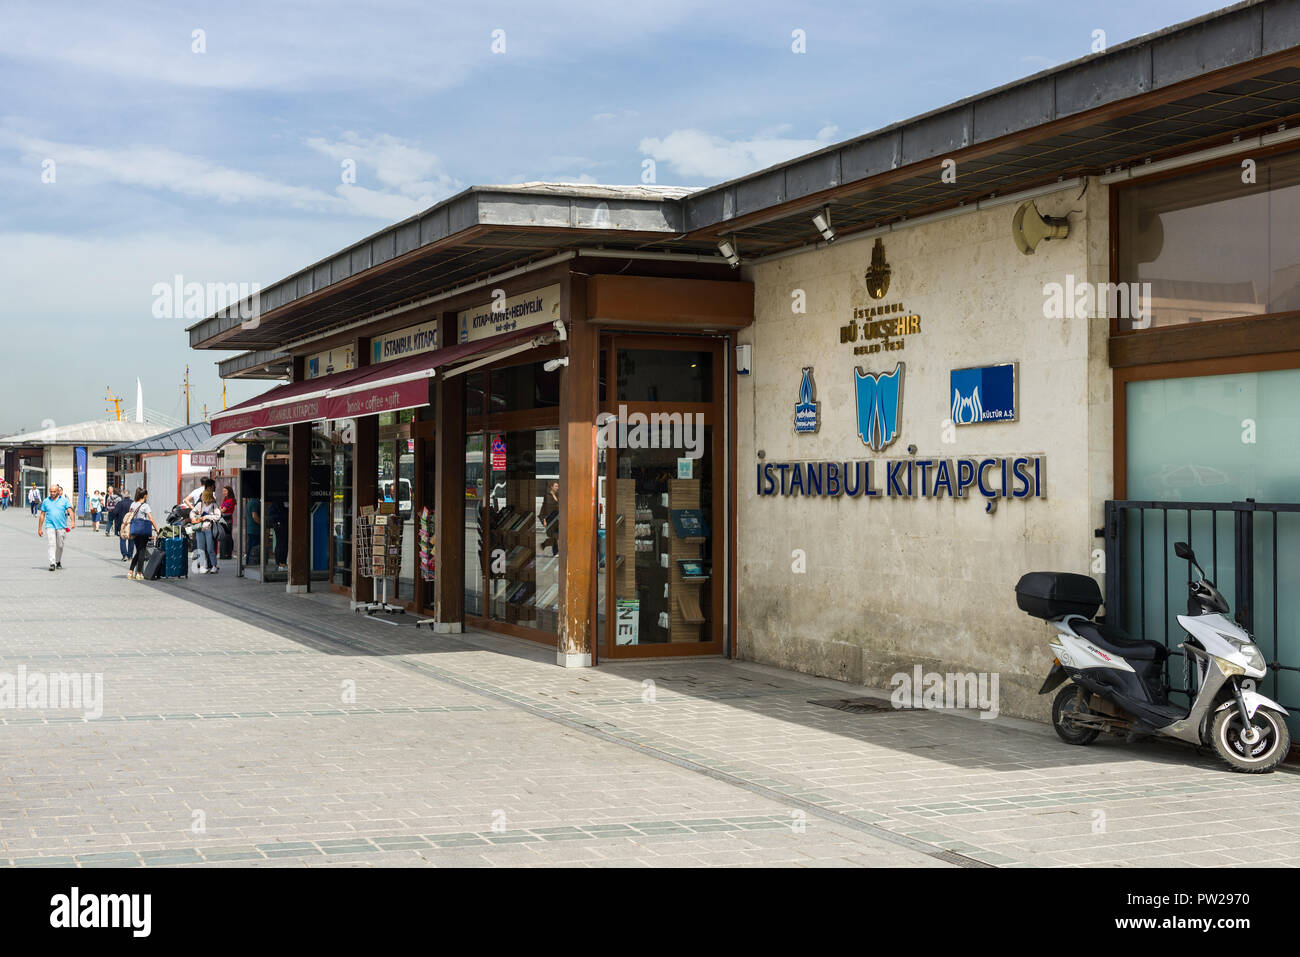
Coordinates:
[214,141]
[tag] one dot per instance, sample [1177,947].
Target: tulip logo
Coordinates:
[880,400]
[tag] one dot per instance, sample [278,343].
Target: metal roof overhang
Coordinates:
[1200,84]
[479,232]
[258,364]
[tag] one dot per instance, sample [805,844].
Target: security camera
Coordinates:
[553,364]
[823,223]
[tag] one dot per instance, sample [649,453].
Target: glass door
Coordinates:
[662,524]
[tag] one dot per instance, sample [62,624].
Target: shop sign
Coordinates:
[992,477]
[498,453]
[627,620]
[329,362]
[984,394]
[236,456]
[879,401]
[807,411]
[203,460]
[421,337]
[502,314]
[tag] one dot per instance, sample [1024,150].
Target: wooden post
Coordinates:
[579,403]
[449,507]
[365,481]
[299,506]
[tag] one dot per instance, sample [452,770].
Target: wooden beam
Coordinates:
[449,493]
[299,507]
[1218,339]
[578,408]
[655,302]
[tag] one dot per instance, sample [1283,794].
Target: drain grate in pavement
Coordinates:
[961,860]
[858,706]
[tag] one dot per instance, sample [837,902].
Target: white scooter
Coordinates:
[1118,685]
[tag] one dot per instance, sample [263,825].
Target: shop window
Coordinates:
[665,375]
[475,393]
[522,387]
[1211,246]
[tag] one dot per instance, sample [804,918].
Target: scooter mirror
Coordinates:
[1182,550]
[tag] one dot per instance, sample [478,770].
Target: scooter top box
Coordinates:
[1050,595]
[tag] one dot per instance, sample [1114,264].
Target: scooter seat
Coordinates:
[1116,641]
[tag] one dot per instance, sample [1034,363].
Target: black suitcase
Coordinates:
[155,564]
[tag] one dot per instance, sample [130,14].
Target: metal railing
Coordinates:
[1256,544]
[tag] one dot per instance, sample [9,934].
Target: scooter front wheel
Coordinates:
[1068,703]
[1254,750]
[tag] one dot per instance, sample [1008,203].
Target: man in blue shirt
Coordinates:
[53,522]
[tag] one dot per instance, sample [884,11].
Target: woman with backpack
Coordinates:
[140,525]
[206,515]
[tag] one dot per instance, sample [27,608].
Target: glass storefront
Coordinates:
[1212,246]
[512,498]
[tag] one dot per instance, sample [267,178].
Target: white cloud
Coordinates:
[412,178]
[696,154]
[395,164]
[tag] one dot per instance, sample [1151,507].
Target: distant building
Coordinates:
[66,454]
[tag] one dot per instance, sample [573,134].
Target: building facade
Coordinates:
[826,415]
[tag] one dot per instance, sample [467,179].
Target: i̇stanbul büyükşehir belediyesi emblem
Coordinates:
[878,272]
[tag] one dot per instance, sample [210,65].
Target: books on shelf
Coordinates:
[689,524]
[693,569]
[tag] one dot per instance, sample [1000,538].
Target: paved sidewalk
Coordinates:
[245,727]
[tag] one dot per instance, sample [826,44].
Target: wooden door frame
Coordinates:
[715,412]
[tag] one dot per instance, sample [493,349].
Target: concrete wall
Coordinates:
[60,464]
[892,583]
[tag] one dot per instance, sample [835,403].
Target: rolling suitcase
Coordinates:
[177,549]
[154,566]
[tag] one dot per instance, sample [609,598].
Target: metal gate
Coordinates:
[1249,549]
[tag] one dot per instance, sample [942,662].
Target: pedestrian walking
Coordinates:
[142,526]
[119,513]
[6,493]
[57,517]
[34,499]
[227,527]
[111,498]
[93,505]
[206,515]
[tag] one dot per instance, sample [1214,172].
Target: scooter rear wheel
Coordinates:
[1251,757]
[1068,702]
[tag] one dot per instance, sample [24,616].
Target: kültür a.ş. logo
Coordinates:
[878,272]
[880,402]
[807,411]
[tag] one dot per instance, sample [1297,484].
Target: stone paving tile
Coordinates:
[252,728]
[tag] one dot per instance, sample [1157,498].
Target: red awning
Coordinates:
[388,387]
